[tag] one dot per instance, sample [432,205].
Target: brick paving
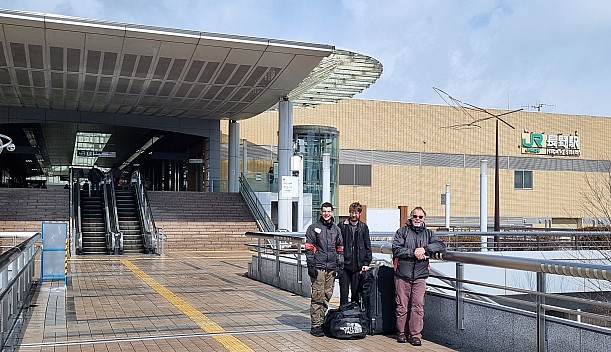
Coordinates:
[185,301]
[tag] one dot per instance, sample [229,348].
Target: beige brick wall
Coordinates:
[395,126]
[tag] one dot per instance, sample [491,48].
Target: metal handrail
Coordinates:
[152,236]
[530,240]
[263,220]
[539,266]
[114,236]
[75,190]
[16,272]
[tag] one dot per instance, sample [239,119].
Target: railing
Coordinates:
[213,185]
[152,236]
[75,211]
[114,236]
[17,268]
[596,312]
[261,217]
[259,182]
[475,241]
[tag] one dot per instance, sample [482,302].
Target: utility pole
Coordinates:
[465,107]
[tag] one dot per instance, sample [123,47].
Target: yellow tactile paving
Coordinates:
[230,342]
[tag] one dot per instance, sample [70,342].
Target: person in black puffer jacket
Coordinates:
[324,251]
[411,248]
[357,254]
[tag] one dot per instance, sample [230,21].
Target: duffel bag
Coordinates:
[346,322]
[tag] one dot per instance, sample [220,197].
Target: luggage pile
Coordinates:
[374,315]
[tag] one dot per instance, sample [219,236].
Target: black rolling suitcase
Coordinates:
[379,300]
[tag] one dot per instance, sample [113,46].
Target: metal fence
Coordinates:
[287,247]
[476,241]
[16,280]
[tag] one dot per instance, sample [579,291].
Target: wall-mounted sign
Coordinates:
[196,161]
[290,187]
[550,144]
[96,153]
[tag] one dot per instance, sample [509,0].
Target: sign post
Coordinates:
[54,258]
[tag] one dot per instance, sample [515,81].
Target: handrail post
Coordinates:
[541,330]
[299,269]
[277,251]
[259,249]
[460,307]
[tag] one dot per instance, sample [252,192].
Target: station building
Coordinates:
[174,105]
[552,166]
[76,91]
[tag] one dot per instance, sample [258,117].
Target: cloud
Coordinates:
[496,54]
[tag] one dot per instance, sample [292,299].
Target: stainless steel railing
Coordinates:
[269,245]
[263,220]
[152,236]
[114,236]
[531,240]
[16,279]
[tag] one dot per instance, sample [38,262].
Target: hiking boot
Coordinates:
[316,331]
[401,338]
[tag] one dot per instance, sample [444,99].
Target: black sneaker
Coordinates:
[316,331]
[401,338]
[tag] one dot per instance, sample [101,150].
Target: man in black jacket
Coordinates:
[411,248]
[357,254]
[95,177]
[324,251]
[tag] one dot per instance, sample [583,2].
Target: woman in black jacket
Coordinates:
[411,248]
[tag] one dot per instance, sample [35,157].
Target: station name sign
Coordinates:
[550,144]
[96,153]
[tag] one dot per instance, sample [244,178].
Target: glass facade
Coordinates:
[318,140]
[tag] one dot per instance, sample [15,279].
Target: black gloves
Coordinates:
[312,272]
[340,261]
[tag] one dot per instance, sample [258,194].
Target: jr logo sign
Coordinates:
[530,140]
[533,143]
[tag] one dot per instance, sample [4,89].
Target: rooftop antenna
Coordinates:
[538,106]
[468,109]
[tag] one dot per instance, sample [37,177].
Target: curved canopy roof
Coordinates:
[68,63]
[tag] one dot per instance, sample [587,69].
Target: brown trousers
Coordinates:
[322,291]
[409,297]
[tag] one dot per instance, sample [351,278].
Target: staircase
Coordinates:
[198,221]
[92,224]
[24,209]
[129,222]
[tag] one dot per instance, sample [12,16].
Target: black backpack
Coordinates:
[346,322]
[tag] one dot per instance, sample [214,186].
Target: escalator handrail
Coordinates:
[263,220]
[150,232]
[112,220]
[76,241]
[76,189]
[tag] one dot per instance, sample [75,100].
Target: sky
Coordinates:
[550,54]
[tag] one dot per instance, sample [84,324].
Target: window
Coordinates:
[523,179]
[354,175]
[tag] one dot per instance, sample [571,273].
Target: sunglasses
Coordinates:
[418,216]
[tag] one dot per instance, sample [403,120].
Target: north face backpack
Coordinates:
[346,322]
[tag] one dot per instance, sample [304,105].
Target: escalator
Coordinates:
[93,227]
[115,221]
[129,221]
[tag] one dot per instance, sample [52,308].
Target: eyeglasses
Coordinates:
[418,216]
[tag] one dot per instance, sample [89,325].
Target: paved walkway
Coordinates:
[181,302]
